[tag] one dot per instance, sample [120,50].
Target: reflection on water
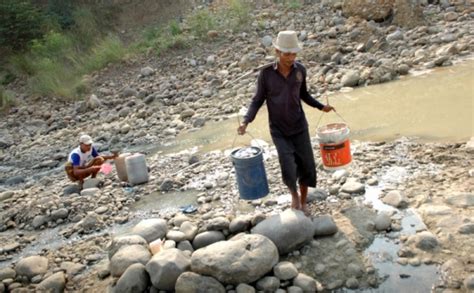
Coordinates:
[166,202]
[437,106]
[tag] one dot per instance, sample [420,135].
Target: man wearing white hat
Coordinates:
[282,86]
[84,161]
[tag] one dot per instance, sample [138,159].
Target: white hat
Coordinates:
[85,139]
[287,42]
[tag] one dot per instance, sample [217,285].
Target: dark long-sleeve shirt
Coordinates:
[283,97]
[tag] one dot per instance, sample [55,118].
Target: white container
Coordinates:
[137,171]
[120,166]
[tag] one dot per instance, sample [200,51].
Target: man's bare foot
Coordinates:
[295,205]
[305,210]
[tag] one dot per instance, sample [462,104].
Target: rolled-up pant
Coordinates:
[70,169]
[296,159]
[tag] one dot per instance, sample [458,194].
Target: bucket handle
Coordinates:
[246,132]
[320,117]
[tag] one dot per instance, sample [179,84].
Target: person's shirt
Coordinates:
[80,159]
[283,97]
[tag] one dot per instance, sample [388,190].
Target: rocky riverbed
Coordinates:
[54,236]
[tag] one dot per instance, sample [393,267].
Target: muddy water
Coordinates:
[436,105]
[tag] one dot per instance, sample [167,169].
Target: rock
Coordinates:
[72,268]
[92,183]
[288,231]
[6,139]
[72,189]
[469,282]
[54,283]
[324,225]
[90,192]
[395,36]
[165,267]
[268,284]
[195,283]
[6,195]
[61,213]
[352,283]
[266,41]
[424,240]
[129,92]
[93,102]
[466,229]
[244,288]
[151,229]
[179,219]
[189,229]
[218,223]
[207,238]
[305,282]
[39,221]
[147,71]
[32,266]
[7,273]
[119,242]
[316,194]
[382,221]
[351,78]
[353,187]
[126,256]
[285,270]
[395,199]
[461,200]
[134,279]
[451,16]
[367,10]
[295,289]
[176,236]
[239,224]
[251,257]
[185,245]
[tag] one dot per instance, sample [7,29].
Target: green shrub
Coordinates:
[20,22]
[200,22]
[107,51]
[174,28]
[7,99]
[238,14]
[62,12]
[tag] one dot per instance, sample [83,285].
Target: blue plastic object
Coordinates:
[251,176]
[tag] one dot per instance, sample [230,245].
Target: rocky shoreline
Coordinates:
[183,93]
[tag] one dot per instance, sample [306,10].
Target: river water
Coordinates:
[435,105]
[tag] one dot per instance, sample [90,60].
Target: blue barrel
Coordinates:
[250,173]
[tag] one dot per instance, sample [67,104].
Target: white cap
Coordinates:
[287,42]
[85,139]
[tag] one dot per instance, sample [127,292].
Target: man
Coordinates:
[283,85]
[84,161]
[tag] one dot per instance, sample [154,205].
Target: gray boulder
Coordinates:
[119,242]
[126,256]
[151,229]
[305,282]
[353,187]
[54,283]
[395,199]
[190,282]
[165,268]
[239,224]
[134,279]
[207,238]
[268,284]
[324,225]
[285,270]
[189,229]
[425,241]
[243,259]
[32,266]
[382,221]
[288,231]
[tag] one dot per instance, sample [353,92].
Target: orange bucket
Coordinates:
[334,145]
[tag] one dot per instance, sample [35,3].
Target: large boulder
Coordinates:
[134,279]
[190,282]
[165,268]
[119,242]
[324,225]
[151,229]
[288,231]
[32,266]
[377,10]
[243,259]
[127,256]
[54,283]
[207,238]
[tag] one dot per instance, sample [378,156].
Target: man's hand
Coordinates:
[328,108]
[95,168]
[242,128]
